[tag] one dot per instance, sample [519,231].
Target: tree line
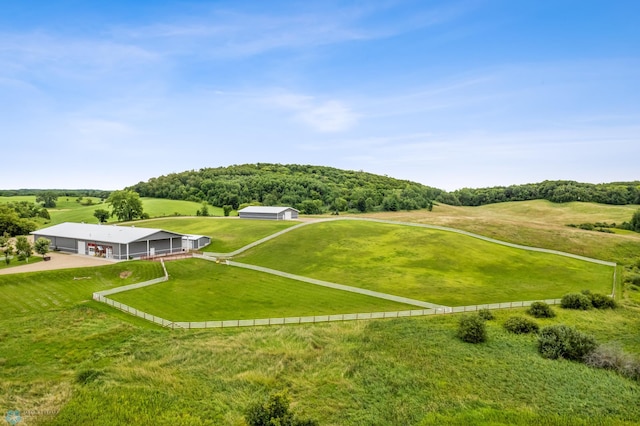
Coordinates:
[310,189]
[559,191]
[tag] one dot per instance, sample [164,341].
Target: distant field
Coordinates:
[226,235]
[200,290]
[68,209]
[159,207]
[429,265]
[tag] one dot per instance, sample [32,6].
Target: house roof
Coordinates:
[265,209]
[105,233]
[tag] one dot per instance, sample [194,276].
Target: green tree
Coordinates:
[41,246]
[47,198]
[102,215]
[126,205]
[635,221]
[227,209]
[204,211]
[5,247]
[24,249]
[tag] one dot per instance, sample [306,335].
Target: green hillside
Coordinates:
[311,189]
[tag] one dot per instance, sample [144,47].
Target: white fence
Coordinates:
[308,319]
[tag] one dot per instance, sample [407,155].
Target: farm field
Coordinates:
[429,265]
[67,359]
[201,290]
[227,234]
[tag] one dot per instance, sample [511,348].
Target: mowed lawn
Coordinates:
[200,290]
[226,234]
[430,265]
[27,293]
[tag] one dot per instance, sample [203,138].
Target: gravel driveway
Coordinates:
[58,261]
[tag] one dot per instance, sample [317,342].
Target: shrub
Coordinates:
[520,325]
[541,310]
[561,341]
[576,301]
[612,357]
[601,301]
[275,412]
[472,329]
[486,314]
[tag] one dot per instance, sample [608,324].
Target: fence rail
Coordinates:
[309,319]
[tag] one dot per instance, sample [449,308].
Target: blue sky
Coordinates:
[451,93]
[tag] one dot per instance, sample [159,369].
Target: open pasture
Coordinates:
[200,290]
[430,265]
[227,234]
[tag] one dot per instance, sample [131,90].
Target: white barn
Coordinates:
[111,241]
[268,212]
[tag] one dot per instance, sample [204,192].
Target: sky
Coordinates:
[450,94]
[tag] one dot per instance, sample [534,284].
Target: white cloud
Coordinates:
[325,116]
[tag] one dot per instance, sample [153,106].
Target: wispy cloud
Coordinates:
[321,115]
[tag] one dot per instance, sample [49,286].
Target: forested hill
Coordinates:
[310,189]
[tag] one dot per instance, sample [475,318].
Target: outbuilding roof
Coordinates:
[106,233]
[265,209]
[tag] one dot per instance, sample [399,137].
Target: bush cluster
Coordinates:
[541,310]
[561,341]
[600,301]
[472,329]
[521,325]
[576,301]
[614,358]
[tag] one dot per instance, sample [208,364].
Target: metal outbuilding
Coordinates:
[195,242]
[268,212]
[111,241]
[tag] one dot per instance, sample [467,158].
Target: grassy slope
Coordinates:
[538,223]
[200,290]
[375,372]
[226,234]
[435,266]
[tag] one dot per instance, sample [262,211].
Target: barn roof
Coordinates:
[265,209]
[105,233]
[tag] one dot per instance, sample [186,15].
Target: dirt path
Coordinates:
[58,261]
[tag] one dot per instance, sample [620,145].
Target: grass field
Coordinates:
[35,292]
[424,264]
[200,290]
[81,362]
[226,235]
